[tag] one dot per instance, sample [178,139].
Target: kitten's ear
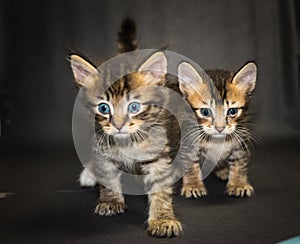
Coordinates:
[155,68]
[245,78]
[82,69]
[189,79]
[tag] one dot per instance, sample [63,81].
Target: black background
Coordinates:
[38,161]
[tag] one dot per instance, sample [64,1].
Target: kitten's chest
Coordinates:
[130,156]
[217,150]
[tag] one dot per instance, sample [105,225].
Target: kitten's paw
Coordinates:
[222,174]
[86,180]
[110,208]
[193,190]
[240,190]
[164,227]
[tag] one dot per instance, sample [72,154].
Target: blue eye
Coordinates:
[205,112]
[232,112]
[134,107]
[103,108]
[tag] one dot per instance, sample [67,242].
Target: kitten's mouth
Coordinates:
[121,135]
[218,135]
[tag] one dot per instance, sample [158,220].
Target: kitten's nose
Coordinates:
[118,124]
[220,128]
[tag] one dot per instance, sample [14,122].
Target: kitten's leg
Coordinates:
[86,179]
[162,221]
[110,202]
[158,179]
[192,185]
[238,184]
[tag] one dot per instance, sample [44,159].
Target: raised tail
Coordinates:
[127,36]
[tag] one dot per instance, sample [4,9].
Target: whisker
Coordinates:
[250,135]
[241,142]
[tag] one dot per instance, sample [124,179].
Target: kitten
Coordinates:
[221,119]
[124,116]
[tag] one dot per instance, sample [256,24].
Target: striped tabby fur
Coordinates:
[121,131]
[224,118]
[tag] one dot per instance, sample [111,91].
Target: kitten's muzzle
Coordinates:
[219,128]
[118,124]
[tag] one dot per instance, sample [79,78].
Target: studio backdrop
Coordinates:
[36,89]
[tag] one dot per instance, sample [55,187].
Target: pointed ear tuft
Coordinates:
[189,79]
[245,78]
[155,67]
[82,69]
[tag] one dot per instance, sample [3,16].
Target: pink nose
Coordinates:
[220,129]
[118,127]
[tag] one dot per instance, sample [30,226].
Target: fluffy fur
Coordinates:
[221,117]
[124,116]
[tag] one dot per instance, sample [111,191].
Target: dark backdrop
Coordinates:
[38,163]
[37,93]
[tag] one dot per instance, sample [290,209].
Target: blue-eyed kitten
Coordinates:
[124,115]
[223,126]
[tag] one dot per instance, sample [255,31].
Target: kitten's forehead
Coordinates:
[234,96]
[128,88]
[200,96]
[230,93]
[226,96]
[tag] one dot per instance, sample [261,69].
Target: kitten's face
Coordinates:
[218,117]
[127,109]
[119,115]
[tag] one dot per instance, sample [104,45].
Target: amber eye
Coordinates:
[232,112]
[206,112]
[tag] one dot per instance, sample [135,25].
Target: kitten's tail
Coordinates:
[127,36]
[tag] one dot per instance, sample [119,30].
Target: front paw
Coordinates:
[239,190]
[110,208]
[164,227]
[193,190]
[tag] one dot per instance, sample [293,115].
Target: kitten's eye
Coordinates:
[104,108]
[134,107]
[205,112]
[232,112]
